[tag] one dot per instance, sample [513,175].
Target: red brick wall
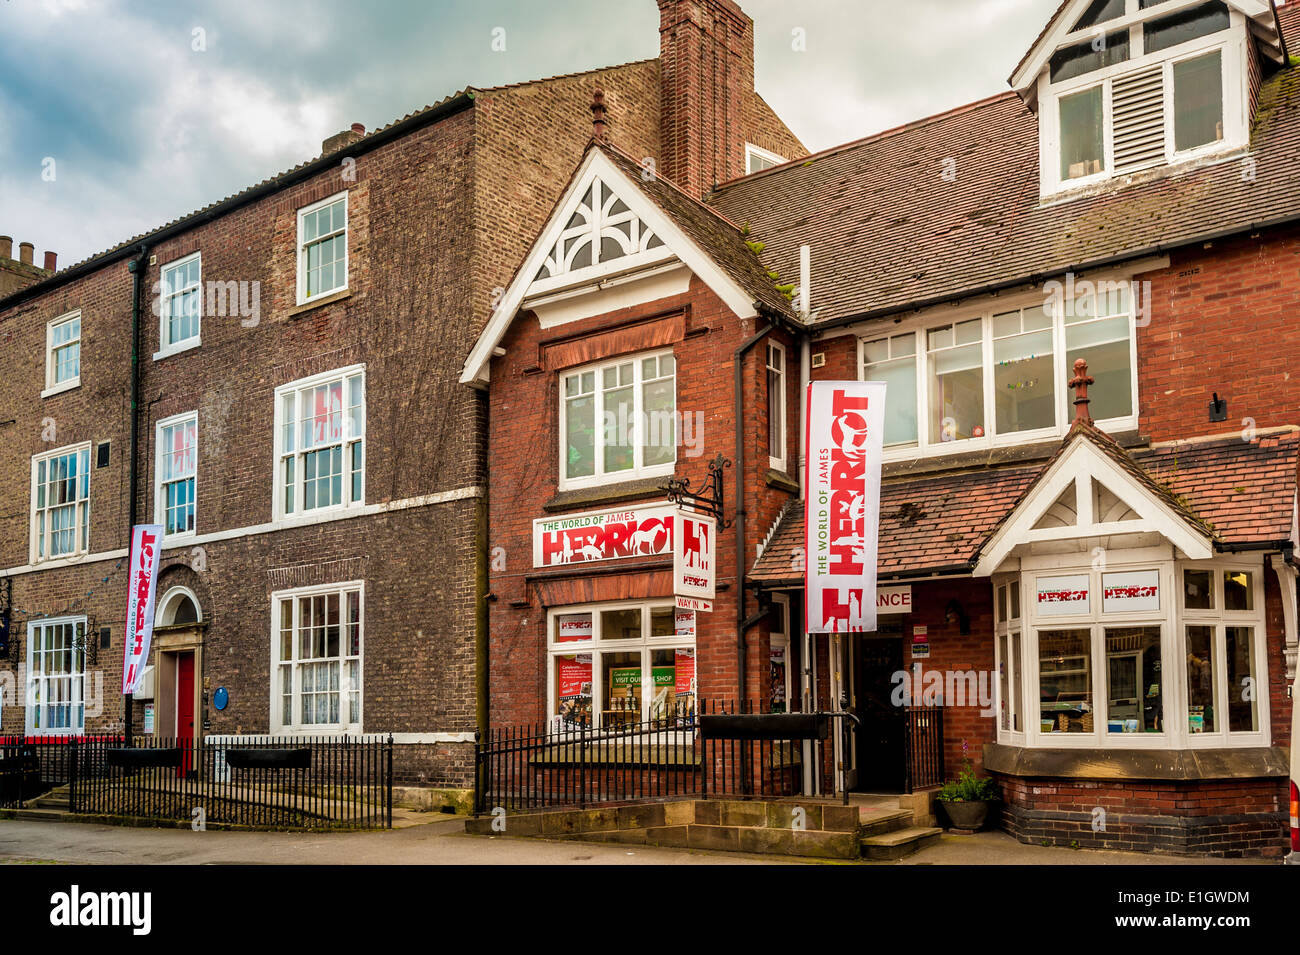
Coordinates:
[1222,320]
[523,463]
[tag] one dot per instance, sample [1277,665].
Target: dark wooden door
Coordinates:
[881,755]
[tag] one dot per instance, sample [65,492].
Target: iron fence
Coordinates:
[561,763]
[343,782]
[31,766]
[923,746]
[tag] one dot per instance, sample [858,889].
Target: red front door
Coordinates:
[185,708]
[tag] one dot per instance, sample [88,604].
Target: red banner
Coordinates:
[142,581]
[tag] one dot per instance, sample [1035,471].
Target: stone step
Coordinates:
[877,822]
[40,815]
[52,802]
[899,843]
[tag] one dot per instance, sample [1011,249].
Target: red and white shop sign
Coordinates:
[845,426]
[573,627]
[141,584]
[602,535]
[694,555]
[692,604]
[1063,596]
[1127,591]
[894,600]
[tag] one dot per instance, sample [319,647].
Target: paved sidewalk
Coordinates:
[444,842]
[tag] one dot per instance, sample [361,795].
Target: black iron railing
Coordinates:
[923,747]
[557,764]
[336,782]
[31,766]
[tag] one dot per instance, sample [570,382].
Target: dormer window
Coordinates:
[1133,85]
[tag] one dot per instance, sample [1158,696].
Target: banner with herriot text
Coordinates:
[845,426]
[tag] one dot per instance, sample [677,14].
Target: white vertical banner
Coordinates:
[845,427]
[142,582]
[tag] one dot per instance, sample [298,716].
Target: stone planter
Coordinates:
[967,815]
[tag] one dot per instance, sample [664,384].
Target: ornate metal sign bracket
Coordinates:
[709,498]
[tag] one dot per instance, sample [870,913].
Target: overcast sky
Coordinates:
[150,111]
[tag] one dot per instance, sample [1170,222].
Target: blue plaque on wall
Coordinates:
[220,698]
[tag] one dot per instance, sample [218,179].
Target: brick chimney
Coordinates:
[706,75]
[339,140]
[23,271]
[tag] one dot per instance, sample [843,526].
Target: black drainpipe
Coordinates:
[136,267]
[742,623]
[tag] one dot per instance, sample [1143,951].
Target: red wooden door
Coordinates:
[185,708]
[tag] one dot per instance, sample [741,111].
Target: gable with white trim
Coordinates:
[606,246]
[1084,501]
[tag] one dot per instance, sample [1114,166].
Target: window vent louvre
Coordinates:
[1138,110]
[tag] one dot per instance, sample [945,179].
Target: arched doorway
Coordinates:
[178,662]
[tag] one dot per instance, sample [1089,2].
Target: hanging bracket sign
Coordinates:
[695,552]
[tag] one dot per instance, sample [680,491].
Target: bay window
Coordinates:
[618,420]
[320,442]
[614,665]
[1163,656]
[60,520]
[998,378]
[56,677]
[316,678]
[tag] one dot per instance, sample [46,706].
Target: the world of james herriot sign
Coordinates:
[845,427]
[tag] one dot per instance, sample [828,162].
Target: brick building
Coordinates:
[1094,587]
[274,380]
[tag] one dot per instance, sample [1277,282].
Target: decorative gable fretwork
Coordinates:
[601,230]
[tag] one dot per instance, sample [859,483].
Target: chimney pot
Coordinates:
[598,115]
[26,251]
[6,247]
[359,129]
[1080,383]
[51,261]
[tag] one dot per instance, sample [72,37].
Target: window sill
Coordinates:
[60,388]
[176,349]
[781,481]
[608,493]
[49,562]
[1246,762]
[312,303]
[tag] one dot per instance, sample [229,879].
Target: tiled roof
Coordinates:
[899,234]
[722,240]
[1244,492]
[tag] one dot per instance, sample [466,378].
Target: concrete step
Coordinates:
[50,802]
[877,822]
[41,815]
[899,843]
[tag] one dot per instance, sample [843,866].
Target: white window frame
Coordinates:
[296,727]
[53,387]
[1009,624]
[77,680]
[160,503]
[776,364]
[596,647]
[753,152]
[1172,620]
[165,299]
[279,511]
[920,326]
[638,469]
[81,512]
[1234,48]
[301,249]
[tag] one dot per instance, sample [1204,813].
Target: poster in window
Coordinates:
[1130,590]
[684,623]
[572,627]
[777,697]
[1063,596]
[573,678]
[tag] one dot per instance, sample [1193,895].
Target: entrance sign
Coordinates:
[894,600]
[1063,596]
[845,426]
[141,582]
[694,555]
[692,603]
[602,535]
[1130,590]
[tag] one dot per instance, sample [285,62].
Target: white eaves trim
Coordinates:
[1081,464]
[1059,34]
[597,165]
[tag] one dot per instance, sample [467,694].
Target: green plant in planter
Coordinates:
[968,787]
